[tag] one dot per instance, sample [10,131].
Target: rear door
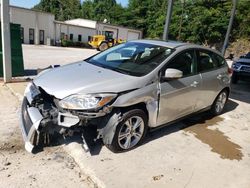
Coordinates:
[213,70]
[178,97]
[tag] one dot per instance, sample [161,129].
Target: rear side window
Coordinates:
[220,61]
[208,61]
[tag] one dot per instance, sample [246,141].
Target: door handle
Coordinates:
[194,84]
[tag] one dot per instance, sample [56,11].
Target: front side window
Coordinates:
[184,62]
[132,58]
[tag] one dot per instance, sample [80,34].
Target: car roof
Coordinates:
[169,44]
[174,44]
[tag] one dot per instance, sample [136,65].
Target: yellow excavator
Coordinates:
[104,41]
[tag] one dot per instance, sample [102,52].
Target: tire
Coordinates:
[126,138]
[103,46]
[235,78]
[219,103]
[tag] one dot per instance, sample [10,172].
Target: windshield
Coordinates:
[132,58]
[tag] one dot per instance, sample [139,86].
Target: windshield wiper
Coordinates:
[120,71]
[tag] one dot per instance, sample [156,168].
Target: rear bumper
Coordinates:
[30,122]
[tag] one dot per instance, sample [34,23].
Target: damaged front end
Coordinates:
[43,115]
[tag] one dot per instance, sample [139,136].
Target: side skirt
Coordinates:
[177,120]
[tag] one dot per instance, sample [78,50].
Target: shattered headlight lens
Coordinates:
[32,89]
[85,102]
[31,92]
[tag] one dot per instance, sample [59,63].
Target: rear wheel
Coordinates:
[219,103]
[103,46]
[130,132]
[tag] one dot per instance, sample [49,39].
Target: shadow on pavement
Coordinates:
[187,122]
[96,146]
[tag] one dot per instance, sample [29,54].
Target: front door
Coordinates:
[31,36]
[178,97]
[41,36]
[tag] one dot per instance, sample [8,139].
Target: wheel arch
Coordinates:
[142,106]
[225,89]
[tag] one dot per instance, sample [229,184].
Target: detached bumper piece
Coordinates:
[30,121]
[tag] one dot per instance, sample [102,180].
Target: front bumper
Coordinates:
[40,115]
[30,121]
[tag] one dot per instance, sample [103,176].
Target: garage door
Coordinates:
[133,35]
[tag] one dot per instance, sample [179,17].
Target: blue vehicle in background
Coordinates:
[241,68]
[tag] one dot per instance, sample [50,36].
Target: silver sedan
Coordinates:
[125,91]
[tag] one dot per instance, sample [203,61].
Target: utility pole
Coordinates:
[168,19]
[181,21]
[229,27]
[6,49]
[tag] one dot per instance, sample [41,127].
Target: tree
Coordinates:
[63,9]
[87,10]
[198,21]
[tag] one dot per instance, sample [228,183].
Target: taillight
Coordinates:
[230,71]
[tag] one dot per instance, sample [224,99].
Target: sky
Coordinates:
[31,3]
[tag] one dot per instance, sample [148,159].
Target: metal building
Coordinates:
[41,28]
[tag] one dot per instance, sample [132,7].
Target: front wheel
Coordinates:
[103,46]
[219,103]
[130,132]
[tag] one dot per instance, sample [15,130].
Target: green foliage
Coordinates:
[69,43]
[63,9]
[199,21]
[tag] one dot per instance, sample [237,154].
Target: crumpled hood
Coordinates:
[85,78]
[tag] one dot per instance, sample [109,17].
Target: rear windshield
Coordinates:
[132,58]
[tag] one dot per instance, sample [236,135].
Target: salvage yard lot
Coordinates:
[197,152]
[43,56]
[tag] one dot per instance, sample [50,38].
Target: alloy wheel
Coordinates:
[221,101]
[131,132]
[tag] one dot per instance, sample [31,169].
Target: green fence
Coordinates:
[16,51]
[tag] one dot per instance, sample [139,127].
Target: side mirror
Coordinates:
[171,74]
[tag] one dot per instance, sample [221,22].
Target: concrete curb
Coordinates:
[18,95]
[73,151]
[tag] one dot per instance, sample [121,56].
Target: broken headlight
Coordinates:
[31,92]
[86,102]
